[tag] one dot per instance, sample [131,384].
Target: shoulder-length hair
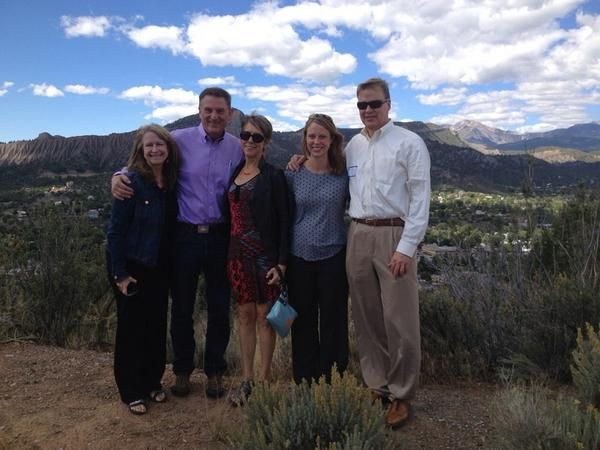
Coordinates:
[262,123]
[335,155]
[138,163]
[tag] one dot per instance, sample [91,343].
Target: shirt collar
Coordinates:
[379,132]
[207,138]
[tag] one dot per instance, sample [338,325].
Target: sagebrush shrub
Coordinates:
[586,366]
[538,419]
[325,416]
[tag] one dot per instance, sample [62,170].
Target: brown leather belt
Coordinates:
[393,222]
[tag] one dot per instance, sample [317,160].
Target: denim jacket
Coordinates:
[138,224]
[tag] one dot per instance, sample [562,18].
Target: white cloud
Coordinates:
[498,109]
[537,128]
[561,81]
[219,81]
[166,104]
[46,90]
[86,26]
[280,125]
[85,90]
[447,96]
[152,36]
[153,95]
[443,52]
[274,45]
[296,102]
[447,47]
[4,87]
[169,113]
[554,105]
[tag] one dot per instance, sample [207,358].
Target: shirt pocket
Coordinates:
[385,169]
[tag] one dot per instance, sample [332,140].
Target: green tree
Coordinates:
[58,266]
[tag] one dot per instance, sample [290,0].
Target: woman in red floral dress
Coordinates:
[258,249]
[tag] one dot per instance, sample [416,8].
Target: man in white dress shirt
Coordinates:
[388,169]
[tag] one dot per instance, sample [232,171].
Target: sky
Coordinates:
[79,67]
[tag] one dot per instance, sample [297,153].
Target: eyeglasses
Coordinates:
[257,138]
[374,104]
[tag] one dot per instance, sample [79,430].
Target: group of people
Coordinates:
[201,201]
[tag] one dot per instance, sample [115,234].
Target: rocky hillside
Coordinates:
[96,153]
[58,153]
[454,162]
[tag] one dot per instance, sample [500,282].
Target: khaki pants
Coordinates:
[385,311]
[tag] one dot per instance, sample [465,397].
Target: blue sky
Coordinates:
[95,67]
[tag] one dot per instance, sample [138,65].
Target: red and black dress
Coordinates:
[247,263]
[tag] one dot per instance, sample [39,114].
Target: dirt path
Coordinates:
[52,398]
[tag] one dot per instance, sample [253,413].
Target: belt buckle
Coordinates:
[202,229]
[370,221]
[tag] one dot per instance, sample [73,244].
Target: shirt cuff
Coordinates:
[406,248]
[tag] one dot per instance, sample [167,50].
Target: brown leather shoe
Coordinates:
[397,414]
[377,398]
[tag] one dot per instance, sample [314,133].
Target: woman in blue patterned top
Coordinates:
[317,284]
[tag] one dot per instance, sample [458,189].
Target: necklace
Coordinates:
[248,172]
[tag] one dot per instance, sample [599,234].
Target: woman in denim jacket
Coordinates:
[139,247]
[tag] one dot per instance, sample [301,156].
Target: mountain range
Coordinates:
[579,142]
[467,155]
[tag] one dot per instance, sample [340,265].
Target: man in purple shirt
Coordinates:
[208,155]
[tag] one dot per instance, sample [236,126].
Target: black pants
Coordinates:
[318,290]
[140,347]
[197,254]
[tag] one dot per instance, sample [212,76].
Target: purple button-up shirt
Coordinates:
[205,169]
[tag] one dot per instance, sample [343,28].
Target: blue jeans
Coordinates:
[195,254]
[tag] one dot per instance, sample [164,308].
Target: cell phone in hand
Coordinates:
[132,289]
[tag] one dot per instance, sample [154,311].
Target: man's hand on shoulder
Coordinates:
[296,162]
[119,187]
[399,263]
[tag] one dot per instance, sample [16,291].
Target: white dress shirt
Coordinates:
[389,177]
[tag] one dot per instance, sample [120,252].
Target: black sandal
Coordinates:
[138,412]
[158,396]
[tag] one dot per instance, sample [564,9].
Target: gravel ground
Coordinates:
[53,398]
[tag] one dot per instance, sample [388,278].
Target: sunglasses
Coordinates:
[257,138]
[374,104]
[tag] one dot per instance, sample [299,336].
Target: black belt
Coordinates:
[394,222]
[202,228]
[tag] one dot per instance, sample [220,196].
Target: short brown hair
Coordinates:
[262,123]
[216,92]
[138,163]
[334,152]
[375,82]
